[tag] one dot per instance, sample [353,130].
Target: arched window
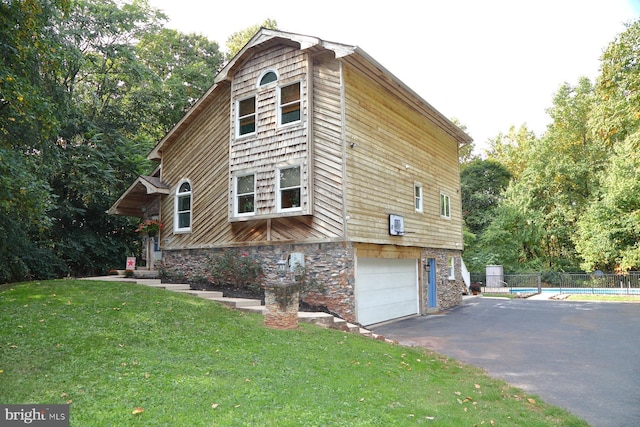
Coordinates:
[182,217]
[269,76]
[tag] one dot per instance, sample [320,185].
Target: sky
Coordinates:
[490,64]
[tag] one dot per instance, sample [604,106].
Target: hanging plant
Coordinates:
[150,227]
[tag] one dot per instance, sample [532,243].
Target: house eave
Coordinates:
[142,193]
[265,38]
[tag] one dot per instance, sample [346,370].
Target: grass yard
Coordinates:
[604,298]
[128,355]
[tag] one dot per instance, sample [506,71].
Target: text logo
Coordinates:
[34,415]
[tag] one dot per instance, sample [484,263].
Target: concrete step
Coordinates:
[365,332]
[235,302]
[146,274]
[317,318]
[202,294]
[148,282]
[258,309]
[353,328]
[175,286]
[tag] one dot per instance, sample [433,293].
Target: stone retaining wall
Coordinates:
[329,265]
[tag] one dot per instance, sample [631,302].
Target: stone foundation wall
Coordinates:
[330,266]
[449,292]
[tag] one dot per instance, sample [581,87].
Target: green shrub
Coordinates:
[236,269]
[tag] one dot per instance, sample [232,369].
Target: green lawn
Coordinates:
[604,298]
[127,355]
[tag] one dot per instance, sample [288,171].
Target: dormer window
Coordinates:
[289,104]
[268,77]
[246,112]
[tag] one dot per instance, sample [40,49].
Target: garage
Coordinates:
[386,289]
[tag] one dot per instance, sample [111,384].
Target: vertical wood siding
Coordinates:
[396,147]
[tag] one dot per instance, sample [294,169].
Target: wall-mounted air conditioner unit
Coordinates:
[396,225]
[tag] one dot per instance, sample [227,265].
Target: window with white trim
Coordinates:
[246,116]
[182,208]
[288,192]
[445,206]
[289,104]
[269,76]
[417,193]
[244,195]
[452,268]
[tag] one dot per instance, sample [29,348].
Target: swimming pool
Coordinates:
[599,291]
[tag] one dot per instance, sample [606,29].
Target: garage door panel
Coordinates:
[383,297]
[377,282]
[386,289]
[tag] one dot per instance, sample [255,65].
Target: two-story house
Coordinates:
[308,146]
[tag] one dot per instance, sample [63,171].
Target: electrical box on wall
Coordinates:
[296,258]
[396,225]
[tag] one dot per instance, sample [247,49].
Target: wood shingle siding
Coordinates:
[272,146]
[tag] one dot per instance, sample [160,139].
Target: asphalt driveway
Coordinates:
[581,356]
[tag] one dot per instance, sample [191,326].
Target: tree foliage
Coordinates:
[182,68]
[608,233]
[573,199]
[482,183]
[237,40]
[86,88]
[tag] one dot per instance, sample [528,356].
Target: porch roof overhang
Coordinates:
[138,196]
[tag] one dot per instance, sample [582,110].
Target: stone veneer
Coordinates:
[449,292]
[281,306]
[331,265]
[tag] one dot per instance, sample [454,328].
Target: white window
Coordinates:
[246,116]
[267,77]
[445,206]
[289,105]
[417,192]
[288,192]
[452,268]
[245,195]
[182,208]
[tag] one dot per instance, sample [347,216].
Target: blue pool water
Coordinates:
[599,291]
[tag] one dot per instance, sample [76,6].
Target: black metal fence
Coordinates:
[567,283]
[506,283]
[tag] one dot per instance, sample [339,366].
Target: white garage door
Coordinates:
[386,289]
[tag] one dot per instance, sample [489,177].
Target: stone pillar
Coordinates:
[281,303]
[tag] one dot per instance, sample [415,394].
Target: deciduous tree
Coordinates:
[237,40]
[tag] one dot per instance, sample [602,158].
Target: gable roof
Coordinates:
[266,38]
[141,193]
